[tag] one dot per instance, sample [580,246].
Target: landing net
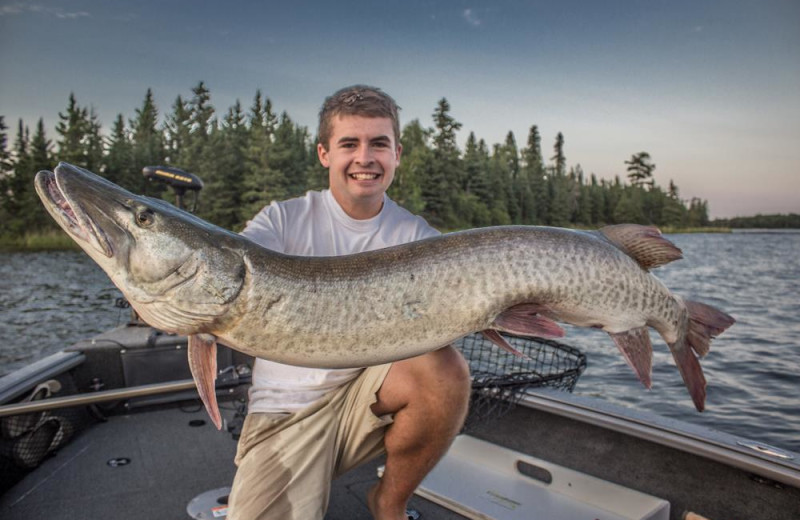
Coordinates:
[500,379]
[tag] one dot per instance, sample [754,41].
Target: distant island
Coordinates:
[775,221]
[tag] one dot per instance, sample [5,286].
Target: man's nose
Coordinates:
[364,155]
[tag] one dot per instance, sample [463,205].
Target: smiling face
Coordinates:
[361,158]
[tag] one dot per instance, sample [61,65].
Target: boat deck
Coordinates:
[171,462]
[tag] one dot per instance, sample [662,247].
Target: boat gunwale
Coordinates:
[681,435]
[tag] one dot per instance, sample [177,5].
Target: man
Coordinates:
[307,426]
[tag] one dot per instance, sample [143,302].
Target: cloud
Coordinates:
[19,8]
[471,18]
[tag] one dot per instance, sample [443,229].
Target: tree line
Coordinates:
[759,221]
[249,157]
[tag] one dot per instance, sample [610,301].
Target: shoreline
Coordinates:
[57,240]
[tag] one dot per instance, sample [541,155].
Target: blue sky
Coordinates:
[709,88]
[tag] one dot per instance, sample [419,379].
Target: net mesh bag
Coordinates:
[500,378]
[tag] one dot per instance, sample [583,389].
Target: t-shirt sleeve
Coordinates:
[266,228]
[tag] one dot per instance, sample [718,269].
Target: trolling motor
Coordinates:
[180,181]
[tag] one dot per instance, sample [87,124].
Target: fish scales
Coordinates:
[402,299]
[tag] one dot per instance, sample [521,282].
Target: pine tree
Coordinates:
[559,187]
[260,181]
[286,162]
[147,144]
[674,213]
[194,123]
[697,215]
[119,155]
[39,158]
[230,143]
[73,128]
[597,194]
[15,185]
[514,189]
[6,170]
[499,181]
[20,204]
[5,155]
[475,165]
[559,160]
[406,188]
[299,182]
[476,196]
[201,113]
[629,207]
[94,143]
[583,198]
[640,169]
[438,188]
[535,206]
[177,132]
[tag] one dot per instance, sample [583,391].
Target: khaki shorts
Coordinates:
[287,461]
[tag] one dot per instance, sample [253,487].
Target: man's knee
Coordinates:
[448,381]
[454,368]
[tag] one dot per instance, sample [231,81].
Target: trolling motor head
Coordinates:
[177,179]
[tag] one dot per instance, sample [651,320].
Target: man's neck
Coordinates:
[359,210]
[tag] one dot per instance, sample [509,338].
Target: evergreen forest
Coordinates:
[248,157]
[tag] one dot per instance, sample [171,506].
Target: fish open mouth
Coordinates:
[69,215]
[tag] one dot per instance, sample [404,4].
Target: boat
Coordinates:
[112,427]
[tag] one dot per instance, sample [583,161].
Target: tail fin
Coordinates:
[703,324]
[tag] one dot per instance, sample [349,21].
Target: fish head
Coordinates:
[178,272]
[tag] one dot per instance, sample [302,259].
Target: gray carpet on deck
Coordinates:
[171,462]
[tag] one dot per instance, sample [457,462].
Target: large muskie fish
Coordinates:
[186,276]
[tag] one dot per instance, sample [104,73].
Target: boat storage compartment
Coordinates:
[483,481]
[165,362]
[160,364]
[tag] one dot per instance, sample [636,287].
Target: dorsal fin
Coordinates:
[645,244]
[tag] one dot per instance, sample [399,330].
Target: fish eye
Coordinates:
[145,217]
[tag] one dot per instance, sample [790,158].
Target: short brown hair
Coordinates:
[357,100]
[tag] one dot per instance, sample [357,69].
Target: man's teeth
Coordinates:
[364,176]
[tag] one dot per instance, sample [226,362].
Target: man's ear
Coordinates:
[399,153]
[322,153]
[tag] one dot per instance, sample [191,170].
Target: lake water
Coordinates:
[51,300]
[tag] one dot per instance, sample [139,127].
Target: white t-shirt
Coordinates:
[315,225]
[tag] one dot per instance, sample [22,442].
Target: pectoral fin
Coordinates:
[638,352]
[203,364]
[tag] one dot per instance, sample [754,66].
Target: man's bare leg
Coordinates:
[428,396]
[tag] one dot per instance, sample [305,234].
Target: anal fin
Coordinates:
[203,364]
[691,372]
[638,352]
